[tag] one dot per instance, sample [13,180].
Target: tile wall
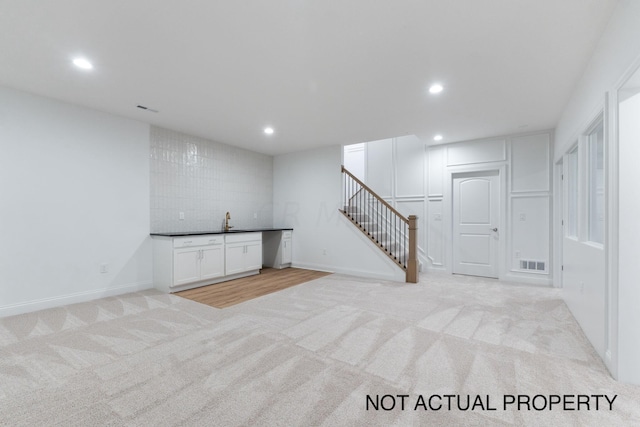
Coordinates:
[205,179]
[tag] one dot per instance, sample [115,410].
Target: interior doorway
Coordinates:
[476,215]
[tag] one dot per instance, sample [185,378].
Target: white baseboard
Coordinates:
[528,280]
[351,272]
[44,303]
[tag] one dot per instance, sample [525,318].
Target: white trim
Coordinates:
[44,303]
[349,271]
[612,230]
[557,228]
[528,280]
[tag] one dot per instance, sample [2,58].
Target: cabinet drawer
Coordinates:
[209,239]
[243,237]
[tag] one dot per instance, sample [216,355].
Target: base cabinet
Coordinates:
[187,262]
[212,262]
[243,252]
[286,248]
[186,266]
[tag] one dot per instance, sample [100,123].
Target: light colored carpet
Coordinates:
[308,355]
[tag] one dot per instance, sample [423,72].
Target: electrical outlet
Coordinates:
[582,287]
[517,254]
[104,268]
[255,215]
[523,217]
[324,252]
[181,216]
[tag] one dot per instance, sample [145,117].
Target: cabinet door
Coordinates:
[212,262]
[234,262]
[286,251]
[186,266]
[253,256]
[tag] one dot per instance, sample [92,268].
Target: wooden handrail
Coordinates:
[384,202]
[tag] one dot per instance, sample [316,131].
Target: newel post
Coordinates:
[412,262]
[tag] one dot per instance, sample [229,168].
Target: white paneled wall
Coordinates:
[203,180]
[379,167]
[476,152]
[417,180]
[410,176]
[530,202]
[530,157]
[395,170]
[525,214]
[354,160]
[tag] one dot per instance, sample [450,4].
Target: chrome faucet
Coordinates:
[227,217]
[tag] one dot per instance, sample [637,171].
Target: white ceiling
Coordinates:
[320,72]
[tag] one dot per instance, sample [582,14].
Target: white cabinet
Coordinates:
[243,252]
[186,266]
[286,248]
[212,262]
[197,258]
[187,262]
[191,265]
[277,248]
[179,262]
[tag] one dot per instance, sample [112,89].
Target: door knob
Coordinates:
[495,229]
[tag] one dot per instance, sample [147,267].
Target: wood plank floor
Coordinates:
[234,292]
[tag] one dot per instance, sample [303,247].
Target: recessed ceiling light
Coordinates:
[268,130]
[436,88]
[83,63]
[437,138]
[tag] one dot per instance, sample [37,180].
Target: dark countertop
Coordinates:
[232,231]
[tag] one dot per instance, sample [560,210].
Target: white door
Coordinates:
[253,256]
[186,266]
[234,258]
[476,207]
[286,251]
[212,262]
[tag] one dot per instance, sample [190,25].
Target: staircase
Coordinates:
[390,231]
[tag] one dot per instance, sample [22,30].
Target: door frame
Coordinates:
[559,218]
[501,169]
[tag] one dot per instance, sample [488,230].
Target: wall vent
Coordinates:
[529,265]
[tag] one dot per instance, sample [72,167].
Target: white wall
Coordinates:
[395,170]
[525,216]
[203,180]
[417,180]
[629,242]
[614,54]
[74,194]
[609,283]
[354,160]
[307,189]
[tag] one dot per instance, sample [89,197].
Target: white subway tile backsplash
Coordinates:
[205,179]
